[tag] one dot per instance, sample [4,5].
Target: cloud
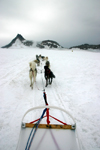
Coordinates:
[66,21]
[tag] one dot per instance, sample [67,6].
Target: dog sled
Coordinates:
[44,128]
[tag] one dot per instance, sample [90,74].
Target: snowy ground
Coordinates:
[76,88]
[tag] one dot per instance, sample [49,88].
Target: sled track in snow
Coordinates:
[57,95]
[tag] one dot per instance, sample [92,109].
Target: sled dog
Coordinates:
[43,58]
[32,73]
[48,74]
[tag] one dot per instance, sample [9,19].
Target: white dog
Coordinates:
[32,73]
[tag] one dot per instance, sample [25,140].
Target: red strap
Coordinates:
[58,120]
[48,119]
[47,113]
[36,120]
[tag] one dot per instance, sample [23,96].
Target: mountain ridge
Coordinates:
[42,44]
[86,46]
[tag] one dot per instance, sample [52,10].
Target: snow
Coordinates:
[76,88]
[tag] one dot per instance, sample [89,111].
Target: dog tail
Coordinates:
[53,75]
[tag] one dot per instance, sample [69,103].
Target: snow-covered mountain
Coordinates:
[87,46]
[20,42]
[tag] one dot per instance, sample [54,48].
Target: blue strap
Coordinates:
[28,145]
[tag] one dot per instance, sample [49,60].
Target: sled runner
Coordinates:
[48,131]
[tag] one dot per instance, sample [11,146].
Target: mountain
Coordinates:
[19,41]
[86,46]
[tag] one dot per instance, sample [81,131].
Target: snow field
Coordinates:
[76,88]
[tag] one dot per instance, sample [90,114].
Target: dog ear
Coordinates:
[46,58]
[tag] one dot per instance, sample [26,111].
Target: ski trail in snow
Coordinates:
[54,98]
[13,71]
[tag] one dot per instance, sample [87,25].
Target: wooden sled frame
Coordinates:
[49,126]
[25,128]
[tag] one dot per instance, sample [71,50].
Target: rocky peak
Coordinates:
[20,37]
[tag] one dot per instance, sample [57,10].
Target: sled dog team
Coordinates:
[48,74]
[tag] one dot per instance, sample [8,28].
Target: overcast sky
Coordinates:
[68,22]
